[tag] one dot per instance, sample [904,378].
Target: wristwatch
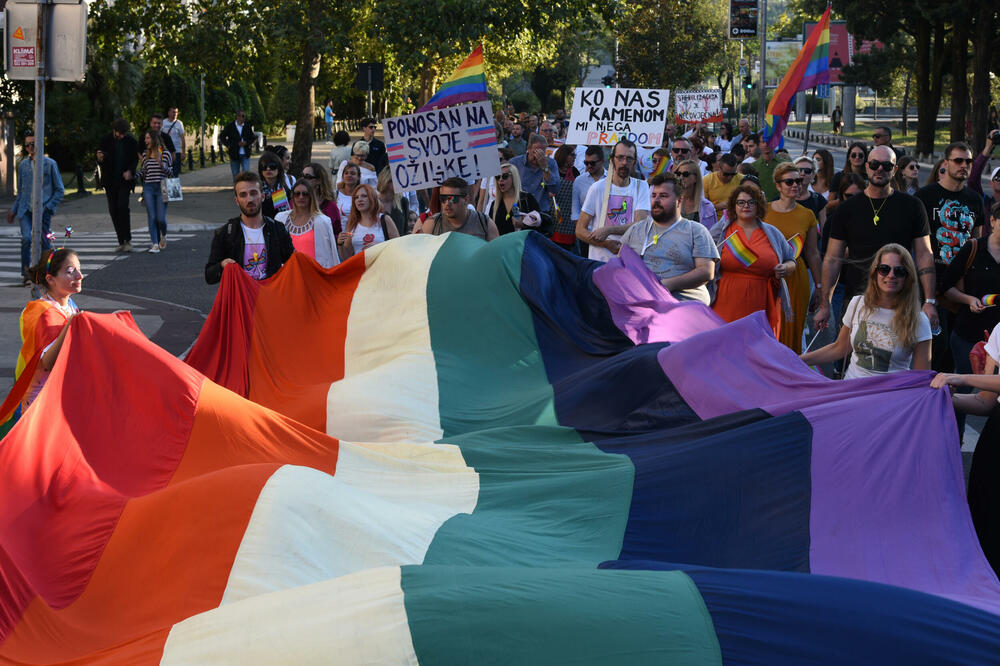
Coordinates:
[932,301]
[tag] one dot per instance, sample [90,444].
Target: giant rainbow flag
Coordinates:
[466,84]
[445,451]
[810,68]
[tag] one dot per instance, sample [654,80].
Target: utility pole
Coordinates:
[38,165]
[761,103]
[201,133]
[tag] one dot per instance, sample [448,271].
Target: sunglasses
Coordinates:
[309,176]
[503,176]
[269,167]
[791,181]
[369,127]
[452,198]
[680,151]
[746,203]
[806,172]
[30,144]
[875,165]
[591,163]
[877,136]
[300,193]
[897,271]
[727,174]
[960,160]
[684,174]
[857,156]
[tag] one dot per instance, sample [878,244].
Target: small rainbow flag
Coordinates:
[739,250]
[279,199]
[661,167]
[990,299]
[796,243]
[466,84]
[811,68]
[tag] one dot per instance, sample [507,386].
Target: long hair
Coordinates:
[899,180]
[694,166]
[349,165]
[49,263]
[157,141]
[313,200]
[385,184]
[267,157]
[355,217]
[847,160]
[935,174]
[324,187]
[906,302]
[824,166]
[515,187]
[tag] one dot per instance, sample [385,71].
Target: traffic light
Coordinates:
[747,83]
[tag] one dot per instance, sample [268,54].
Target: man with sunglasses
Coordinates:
[718,185]
[613,204]
[456,214]
[377,155]
[52,196]
[956,214]
[682,149]
[883,137]
[863,224]
[238,138]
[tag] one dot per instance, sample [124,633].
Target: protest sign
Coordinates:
[426,148]
[604,116]
[698,106]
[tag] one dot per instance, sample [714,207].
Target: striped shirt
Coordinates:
[154,171]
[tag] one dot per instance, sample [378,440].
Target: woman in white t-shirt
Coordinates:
[366,225]
[346,188]
[884,329]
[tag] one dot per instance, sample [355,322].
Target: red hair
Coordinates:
[355,217]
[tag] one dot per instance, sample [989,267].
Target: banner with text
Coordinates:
[604,116]
[426,148]
[698,106]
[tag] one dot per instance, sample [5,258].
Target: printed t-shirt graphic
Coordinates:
[623,202]
[254,253]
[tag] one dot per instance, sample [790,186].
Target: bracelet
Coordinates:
[932,301]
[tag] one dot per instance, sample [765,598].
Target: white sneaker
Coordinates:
[155,249]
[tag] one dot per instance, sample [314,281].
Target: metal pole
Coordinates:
[809,122]
[202,130]
[370,90]
[740,106]
[761,106]
[38,166]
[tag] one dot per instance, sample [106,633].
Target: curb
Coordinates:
[13,231]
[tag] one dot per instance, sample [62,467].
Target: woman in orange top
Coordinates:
[754,258]
[793,218]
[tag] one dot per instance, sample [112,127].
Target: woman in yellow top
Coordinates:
[792,218]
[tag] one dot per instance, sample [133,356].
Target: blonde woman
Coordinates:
[311,230]
[394,205]
[694,205]
[513,209]
[366,225]
[794,219]
[884,329]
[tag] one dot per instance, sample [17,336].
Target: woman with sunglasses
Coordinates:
[809,197]
[793,220]
[857,155]
[311,231]
[694,205]
[44,323]
[907,175]
[514,209]
[319,177]
[366,225]
[754,255]
[277,197]
[884,329]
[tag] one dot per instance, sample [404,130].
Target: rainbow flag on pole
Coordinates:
[811,68]
[744,254]
[466,84]
[796,243]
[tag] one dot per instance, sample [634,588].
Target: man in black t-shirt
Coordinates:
[956,215]
[866,222]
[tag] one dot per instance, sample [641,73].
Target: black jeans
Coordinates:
[120,217]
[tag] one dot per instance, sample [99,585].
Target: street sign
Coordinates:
[823,91]
[742,19]
[743,70]
[743,62]
[66,48]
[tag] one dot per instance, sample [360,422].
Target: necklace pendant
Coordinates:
[875,219]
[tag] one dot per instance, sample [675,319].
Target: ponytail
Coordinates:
[49,263]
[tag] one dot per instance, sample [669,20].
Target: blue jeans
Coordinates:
[329,130]
[176,166]
[238,165]
[26,220]
[156,211]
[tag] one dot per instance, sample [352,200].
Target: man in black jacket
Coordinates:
[377,156]
[238,138]
[118,155]
[258,244]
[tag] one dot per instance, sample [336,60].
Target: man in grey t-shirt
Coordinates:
[679,251]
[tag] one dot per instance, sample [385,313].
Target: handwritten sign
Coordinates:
[605,116]
[698,106]
[427,148]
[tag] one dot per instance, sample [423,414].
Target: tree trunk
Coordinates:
[906,101]
[306,123]
[929,72]
[428,76]
[981,75]
[960,73]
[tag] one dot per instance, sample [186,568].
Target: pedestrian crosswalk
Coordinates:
[96,250]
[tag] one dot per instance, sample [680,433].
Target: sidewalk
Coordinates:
[208,203]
